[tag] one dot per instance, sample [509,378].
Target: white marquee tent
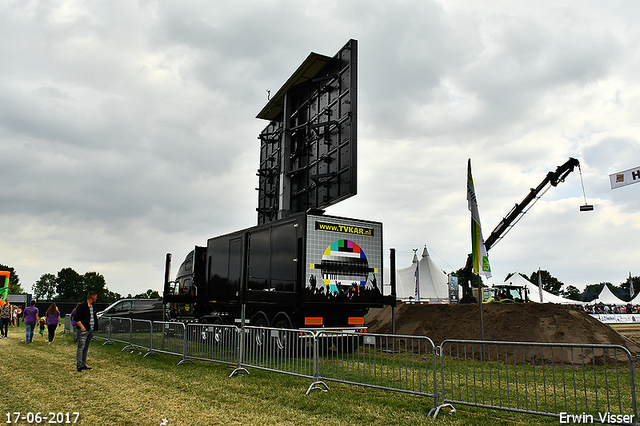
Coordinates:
[432,283]
[534,291]
[607,297]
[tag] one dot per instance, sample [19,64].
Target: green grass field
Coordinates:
[126,388]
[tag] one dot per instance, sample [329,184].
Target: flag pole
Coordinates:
[480,297]
[539,285]
[480,258]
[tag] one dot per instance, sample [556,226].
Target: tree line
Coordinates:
[69,286]
[590,292]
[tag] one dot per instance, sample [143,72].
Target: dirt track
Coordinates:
[630,331]
[532,322]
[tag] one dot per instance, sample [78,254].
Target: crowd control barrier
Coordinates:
[169,338]
[210,342]
[277,349]
[392,362]
[575,382]
[578,383]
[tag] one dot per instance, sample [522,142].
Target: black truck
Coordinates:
[305,271]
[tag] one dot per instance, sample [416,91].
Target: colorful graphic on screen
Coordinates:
[344,265]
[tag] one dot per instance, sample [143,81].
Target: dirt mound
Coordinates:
[531,322]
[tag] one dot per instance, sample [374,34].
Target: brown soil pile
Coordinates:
[531,322]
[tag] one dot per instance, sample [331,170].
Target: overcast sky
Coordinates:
[128,129]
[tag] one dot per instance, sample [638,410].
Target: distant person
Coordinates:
[87,323]
[73,323]
[14,314]
[53,321]
[42,326]
[18,315]
[5,318]
[30,318]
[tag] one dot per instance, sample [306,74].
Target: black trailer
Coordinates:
[304,271]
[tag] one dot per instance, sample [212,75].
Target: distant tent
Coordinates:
[534,291]
[608,298]
[432,283]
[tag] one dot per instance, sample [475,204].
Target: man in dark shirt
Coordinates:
[87,323]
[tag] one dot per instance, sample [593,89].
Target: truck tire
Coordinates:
[285,342]
[261,335]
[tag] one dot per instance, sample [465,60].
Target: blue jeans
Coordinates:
[30,328]
[84,340]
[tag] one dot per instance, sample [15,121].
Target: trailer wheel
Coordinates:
[261,335]
[282,339]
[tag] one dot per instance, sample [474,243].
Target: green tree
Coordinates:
[93,281]
[549,282]
[149,294]
[109,296]
[70,286]
[45,288]
[571,292]
[14,280]
[626,287]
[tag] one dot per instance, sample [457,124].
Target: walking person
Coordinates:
[42,325]
[5,317]
[30,317]
[87,323]
[53,321]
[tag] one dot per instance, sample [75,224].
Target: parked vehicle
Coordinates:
[143,309]
[304,271]
[508,294]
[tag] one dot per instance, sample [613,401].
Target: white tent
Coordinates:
[433,284]
[534,291]
[607,297]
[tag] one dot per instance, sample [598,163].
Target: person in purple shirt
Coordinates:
[53,321]
[30,318]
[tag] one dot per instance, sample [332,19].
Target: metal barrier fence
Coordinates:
[579,383]
[116,329]
[575,382]
[141,335]
[211,343]
[169,338]
[392,362]
[280,350]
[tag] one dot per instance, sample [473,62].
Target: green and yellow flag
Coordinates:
[478,250]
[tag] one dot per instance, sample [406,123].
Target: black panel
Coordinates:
[259,242]
[312,142]
[283,253]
